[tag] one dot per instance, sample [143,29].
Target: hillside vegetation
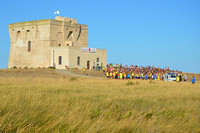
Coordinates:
[45,101]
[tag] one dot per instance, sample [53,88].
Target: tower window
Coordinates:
[97,61]
[69,34]
[60,60]
[78,60]
[18,34]
[29,46]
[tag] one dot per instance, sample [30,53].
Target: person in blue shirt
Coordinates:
[146,77]
[128,75]
[155,77]
[193,80]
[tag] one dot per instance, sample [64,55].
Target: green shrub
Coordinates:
[151,82]
[130,83]
[50,67]
[73,79]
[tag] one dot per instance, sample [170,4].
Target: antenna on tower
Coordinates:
[57,13]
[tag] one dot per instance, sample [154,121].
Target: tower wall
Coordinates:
[64,33]
[37,35]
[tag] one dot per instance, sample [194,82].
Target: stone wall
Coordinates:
[56,52]
[38,33]
[86,56]
[70,54]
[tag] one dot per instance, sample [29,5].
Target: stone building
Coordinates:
[44,42]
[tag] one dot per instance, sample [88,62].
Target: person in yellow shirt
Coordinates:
[133,75]
[177,78]
[124,75]
[121,75]
[111,75]
[104,69]
[114,74]
[149,75]
[84,70]
[107,74]
[130,75]
[158,77]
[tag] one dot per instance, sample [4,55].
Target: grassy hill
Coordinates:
[41,100]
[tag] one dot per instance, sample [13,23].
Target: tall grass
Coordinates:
[97,105]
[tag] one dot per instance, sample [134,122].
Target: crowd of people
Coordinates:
[117,71]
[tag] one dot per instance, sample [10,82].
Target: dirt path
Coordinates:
[71,73]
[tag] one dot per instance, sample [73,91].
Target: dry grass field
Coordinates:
[41,100]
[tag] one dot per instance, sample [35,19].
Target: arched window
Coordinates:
[27,34]
[18,34]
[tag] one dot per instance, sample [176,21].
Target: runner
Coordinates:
[121,76]
[83,70]
[193,80]
[138,72]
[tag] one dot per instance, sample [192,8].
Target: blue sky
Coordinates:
[139,32]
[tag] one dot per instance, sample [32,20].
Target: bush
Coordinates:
[50,67]
[151,82]
[25,67]
[130,83]
[73,79]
